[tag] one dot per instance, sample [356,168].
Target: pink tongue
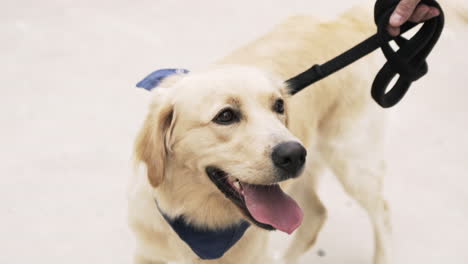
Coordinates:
[268,204]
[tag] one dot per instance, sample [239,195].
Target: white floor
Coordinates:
[69,112]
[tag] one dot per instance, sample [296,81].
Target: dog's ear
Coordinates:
[152,144]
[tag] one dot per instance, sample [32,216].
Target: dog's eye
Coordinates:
[278,107]
[226,117]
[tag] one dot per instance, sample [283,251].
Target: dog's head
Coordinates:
[222,133]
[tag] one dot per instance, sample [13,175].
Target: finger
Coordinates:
[433,12]
[393,31]
[420,13]
[402,12]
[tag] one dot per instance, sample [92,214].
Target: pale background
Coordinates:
[69,112]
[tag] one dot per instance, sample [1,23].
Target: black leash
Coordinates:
[409,61]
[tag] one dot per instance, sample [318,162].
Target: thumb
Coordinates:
[403,12]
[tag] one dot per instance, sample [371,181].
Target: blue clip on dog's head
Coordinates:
[155,78]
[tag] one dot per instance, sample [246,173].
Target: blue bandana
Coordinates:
[207,244]
[155,78]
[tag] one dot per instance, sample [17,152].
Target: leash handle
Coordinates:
[409,61]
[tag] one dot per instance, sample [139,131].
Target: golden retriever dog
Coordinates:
[227,145]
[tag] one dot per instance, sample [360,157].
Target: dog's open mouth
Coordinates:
[267,206]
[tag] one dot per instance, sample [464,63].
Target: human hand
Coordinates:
[409,10]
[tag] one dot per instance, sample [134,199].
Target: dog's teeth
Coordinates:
[236,184]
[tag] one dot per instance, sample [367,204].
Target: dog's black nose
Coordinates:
[289,157]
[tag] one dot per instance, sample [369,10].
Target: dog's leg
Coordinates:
[361,174]
[303,191]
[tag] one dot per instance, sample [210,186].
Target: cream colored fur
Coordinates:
[336,120]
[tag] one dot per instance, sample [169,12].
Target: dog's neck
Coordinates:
[206,243]
[192,195]
[198,213]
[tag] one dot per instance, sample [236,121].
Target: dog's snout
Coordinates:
[289,157]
